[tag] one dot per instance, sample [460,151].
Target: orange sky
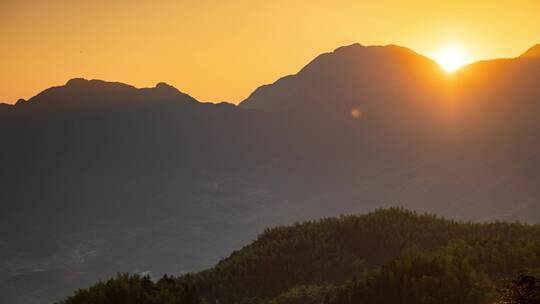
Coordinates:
[223,50]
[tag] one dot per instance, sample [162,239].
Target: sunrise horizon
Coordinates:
[447,57]
[222,51]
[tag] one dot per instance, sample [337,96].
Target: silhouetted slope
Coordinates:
[102,177]
[495,114]
[4,107]
[352,76]
[96,138]
[473,129]
[533,52]
[83,95]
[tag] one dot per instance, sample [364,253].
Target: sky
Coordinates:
[222,50]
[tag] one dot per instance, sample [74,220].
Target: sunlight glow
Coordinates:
[452,57]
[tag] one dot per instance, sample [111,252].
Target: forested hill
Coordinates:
[380,257]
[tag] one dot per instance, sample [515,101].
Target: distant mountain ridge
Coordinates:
[80,92]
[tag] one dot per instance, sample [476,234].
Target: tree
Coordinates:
[525,289]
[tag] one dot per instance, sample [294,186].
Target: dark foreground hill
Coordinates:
[102,177]
[388,256]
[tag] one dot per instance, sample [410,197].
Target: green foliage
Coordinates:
[525,289]
[301,294]
[395,256]
[457,273]
[134,289]
[334,250]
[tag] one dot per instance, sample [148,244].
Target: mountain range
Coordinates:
[102,177]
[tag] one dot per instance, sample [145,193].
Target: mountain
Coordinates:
[472,129]
[4,107]
[79,94]
[102,177]
[533,52]
[352,76]
[93,172]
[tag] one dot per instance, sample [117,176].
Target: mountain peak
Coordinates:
[359,47]
[533,52]
[349,47]
[81,83]
[165,87]
[81,93]
[20,101]
[76,81]
[346,75]
[361,56]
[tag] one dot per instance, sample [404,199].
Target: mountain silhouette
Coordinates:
[5,107]
[353,75]
[82,94]
[102,177]
[473,126]
[533,52]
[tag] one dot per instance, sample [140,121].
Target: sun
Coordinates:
[452,57]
